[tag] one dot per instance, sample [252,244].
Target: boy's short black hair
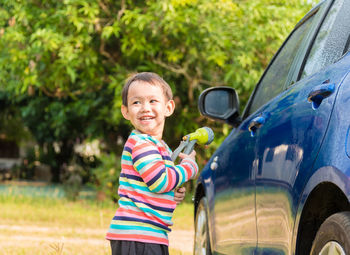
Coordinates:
[148,77]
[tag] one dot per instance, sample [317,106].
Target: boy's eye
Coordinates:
[136,102]
[153,101]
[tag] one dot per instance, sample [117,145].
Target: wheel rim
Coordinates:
[201,234]
[332,248]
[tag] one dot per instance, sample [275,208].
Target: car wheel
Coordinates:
[333,237]
[201,239]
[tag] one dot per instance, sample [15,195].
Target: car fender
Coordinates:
[327,174]
[204,187]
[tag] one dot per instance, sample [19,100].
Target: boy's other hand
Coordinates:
[192,155]
[179,195]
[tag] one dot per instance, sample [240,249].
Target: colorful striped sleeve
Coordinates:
[160,175]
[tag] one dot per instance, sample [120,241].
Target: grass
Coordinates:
[53,225]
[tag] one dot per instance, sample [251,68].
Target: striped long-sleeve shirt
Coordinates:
[146,189]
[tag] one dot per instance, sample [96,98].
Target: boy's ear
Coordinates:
[125,112]
[170,107]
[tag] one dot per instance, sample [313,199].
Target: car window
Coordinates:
[331,39]
[274,78]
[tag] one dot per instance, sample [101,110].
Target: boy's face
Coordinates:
[147,108]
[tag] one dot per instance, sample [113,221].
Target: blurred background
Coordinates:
[63,65]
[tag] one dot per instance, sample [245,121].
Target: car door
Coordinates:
[289,137]
[288,144]
[237,158]
[234,184]
[270,86]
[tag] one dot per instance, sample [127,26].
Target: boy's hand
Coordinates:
[192,155]
[179,194]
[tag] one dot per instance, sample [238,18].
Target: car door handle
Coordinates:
[255,124]
[319,93]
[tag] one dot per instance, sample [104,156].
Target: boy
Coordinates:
[148,175]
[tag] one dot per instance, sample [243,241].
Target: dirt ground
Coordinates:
[44,240]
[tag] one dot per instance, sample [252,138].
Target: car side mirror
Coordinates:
[220,103]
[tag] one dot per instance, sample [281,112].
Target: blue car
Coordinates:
[280,181]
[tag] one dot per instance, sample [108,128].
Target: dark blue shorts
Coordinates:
[121,247]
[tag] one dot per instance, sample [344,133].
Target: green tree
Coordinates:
[63,63]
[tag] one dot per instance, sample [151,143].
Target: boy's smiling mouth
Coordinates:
[146,118]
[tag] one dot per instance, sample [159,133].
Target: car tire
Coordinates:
[201,237]
[333,237]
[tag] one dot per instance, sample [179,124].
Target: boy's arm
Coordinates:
[161,176]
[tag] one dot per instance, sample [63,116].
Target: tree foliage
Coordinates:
[63,63]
